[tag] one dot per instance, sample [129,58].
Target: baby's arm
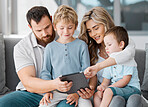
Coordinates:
[123,82]
[71,98]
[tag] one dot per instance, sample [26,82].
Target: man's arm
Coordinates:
[33,84]
[27,75]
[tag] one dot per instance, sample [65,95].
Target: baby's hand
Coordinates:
[101,88]
[100,94]
[71,98]
[45,99]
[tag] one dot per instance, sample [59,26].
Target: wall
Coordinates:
[140,41]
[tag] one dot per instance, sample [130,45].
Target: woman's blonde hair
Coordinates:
[98,15]
[67,14]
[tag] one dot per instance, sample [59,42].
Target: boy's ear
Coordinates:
[54,26]
[121,45]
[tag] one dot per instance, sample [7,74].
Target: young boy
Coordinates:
[124,79]
[66,55]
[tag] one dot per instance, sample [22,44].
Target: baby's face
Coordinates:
[111,44]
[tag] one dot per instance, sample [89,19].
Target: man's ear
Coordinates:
[51,18]
[29,26]
[121,45]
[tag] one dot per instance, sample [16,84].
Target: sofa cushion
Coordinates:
[144,86]
[3,88]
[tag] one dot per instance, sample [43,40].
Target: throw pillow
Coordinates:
[144,86]
[3,88]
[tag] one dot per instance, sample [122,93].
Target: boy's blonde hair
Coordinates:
[67,14]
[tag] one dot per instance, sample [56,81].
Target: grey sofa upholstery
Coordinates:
[12,78]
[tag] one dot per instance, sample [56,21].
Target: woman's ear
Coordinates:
[121,45]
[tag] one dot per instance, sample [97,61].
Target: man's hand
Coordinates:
[45,99]
[62,86]
[71,98]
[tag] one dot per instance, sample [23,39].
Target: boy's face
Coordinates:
[65,30]
[112,45]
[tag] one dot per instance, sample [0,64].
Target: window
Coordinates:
[134,15]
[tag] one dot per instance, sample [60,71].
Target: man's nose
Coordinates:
[44,32]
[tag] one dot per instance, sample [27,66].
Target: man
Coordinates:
[28,58]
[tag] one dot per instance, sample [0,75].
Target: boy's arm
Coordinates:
[123,82]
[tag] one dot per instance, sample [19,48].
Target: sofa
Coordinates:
[10,78]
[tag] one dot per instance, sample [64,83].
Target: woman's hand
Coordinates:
[87,93]
[71,98]
[91,71]
[45,99]
[62,86]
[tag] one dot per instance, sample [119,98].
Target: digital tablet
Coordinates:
[78,79]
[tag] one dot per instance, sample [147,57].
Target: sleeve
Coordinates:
[47,67]
[22,58]
[128,70]
[106,73]
[127,54]
[85,60]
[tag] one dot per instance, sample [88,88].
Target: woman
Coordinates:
[93,26]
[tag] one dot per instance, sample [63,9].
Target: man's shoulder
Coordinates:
[25,42]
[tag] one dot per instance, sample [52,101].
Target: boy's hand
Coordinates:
[62,86]
[87,93]
[71,98]
[45,99]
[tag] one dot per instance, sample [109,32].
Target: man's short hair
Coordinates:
[36,13]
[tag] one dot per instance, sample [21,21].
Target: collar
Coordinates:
[34,41]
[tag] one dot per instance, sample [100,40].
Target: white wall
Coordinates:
[140,41]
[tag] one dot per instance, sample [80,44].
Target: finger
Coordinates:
[72,102]
[76,103]
[45,102]
[41,102]
[51,95]
[48,100]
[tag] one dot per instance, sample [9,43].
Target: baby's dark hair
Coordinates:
[36,13]
[119,33]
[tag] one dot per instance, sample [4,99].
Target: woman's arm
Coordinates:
[92,70]
[127,54]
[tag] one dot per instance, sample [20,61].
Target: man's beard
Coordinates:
[45,40]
